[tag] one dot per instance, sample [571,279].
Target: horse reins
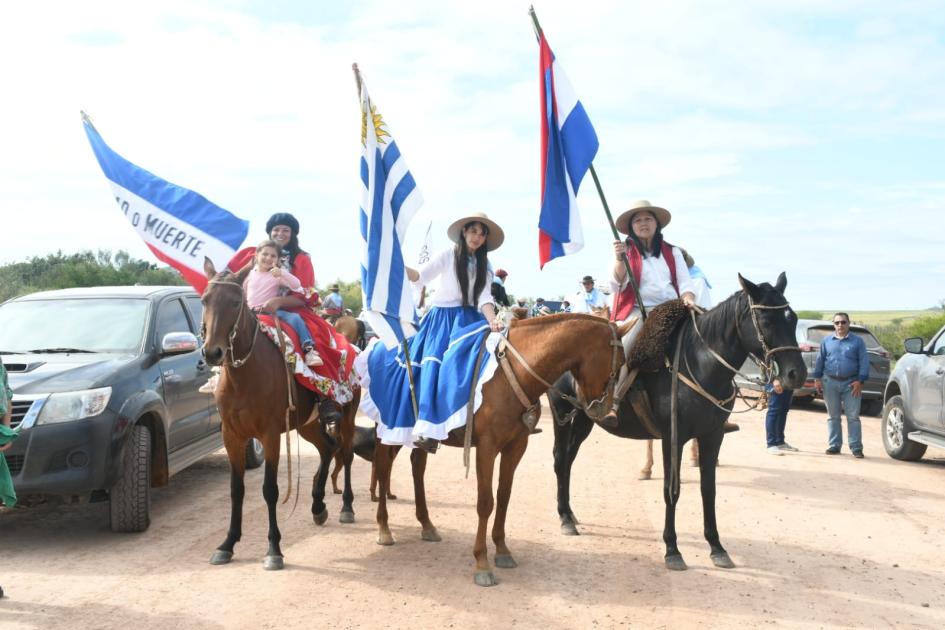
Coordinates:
[231,337]
[577,402]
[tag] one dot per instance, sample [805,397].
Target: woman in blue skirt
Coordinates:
[443,353]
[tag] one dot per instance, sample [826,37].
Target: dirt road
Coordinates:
[820,541]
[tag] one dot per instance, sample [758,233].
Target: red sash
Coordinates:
[625,300]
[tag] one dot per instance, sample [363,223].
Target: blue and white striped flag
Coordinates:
[179,226]
[390,200]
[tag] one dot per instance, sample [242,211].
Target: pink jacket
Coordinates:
[261,286]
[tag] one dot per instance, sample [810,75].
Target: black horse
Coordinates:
[756,320]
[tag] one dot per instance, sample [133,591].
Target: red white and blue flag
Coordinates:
[568,146]
[178,225]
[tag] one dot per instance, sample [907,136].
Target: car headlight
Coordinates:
[74,405]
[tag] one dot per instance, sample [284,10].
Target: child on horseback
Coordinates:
[268,280]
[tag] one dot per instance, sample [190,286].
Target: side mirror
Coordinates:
[913,345]
[179,343]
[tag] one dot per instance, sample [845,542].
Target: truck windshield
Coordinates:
[85,325]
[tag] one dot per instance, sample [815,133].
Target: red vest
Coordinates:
[625,300]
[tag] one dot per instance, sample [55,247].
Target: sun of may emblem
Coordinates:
[380,128]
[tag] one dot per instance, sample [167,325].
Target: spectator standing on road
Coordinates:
[591,300]
[499,296]
[565,307]
[536,307]
[7,495]
[779,402]
[843,365]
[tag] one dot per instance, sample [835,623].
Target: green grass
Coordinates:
[887,318]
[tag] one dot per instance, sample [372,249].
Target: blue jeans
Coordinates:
[298,324]
[837,391]
[778,405]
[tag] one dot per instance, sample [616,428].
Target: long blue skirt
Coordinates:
[442,357]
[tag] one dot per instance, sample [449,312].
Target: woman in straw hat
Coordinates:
[658,268]
[443,353]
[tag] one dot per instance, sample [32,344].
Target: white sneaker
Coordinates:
[210,386]
[312,359]
[774,450]
[788,447]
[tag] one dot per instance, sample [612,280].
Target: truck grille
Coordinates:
[20,407]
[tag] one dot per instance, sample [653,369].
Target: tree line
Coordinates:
[103,268]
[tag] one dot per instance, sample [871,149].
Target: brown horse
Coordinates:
[588,347]
[252,398]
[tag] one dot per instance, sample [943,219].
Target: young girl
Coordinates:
[267,280]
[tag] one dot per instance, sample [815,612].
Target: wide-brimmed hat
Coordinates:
[587,279]
[626,217]
[334,287]
[496,234]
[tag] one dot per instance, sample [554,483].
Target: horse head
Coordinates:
[595,376]
[224,309]
[767,331]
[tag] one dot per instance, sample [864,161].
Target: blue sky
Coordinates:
[787,135]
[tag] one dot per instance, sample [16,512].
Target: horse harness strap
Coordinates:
[470,412]
[236,363]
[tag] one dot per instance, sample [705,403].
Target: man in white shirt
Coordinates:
[590,300]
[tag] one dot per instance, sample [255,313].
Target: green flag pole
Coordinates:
[603,200]
[403,342]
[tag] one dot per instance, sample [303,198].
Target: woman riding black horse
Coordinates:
[756,320]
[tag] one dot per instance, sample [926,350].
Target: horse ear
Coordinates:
[781,284]
[242,273]
[208,268]
[625,327]
[750,287]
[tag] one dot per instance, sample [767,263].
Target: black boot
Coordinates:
[329,412]
[428,444]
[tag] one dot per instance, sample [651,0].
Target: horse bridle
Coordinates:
[768,367]
[231,337]
[594,408]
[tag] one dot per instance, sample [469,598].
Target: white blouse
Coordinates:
[448,292]
[656,283]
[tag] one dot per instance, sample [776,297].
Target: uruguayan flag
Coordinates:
[390,200]
[178,225]
[568,146]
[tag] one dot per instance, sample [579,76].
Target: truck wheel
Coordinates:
[254,454]
[895,430]
[129,507]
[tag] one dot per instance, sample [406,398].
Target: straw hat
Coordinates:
[626,218]
[496,234]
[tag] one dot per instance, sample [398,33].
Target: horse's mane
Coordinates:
[535,321]
[715,322]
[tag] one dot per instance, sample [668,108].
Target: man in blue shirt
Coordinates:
[843,365]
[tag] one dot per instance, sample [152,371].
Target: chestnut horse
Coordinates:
[252,397]
[588,347]
[756,321]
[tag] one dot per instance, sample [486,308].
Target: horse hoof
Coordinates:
[722,560]
[391,497]
[336,491]
[644,475]
[346,517]
[676,563]
[221,557]
[505,561]
[568,529]
[385,539]
[430,535]
[484,578]
[273,563]
[322,517]
[374,498]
